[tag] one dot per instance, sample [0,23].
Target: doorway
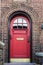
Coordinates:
[20,40]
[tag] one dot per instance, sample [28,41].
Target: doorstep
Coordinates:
[19,63]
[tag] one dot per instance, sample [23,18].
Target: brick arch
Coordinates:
[29,10]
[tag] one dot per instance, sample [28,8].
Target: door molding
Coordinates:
[9,20]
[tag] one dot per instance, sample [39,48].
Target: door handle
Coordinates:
[29,39]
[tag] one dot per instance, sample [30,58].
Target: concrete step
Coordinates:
[19,63]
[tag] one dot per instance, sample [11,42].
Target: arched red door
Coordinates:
[19,38]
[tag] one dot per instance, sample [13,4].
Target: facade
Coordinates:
[34,8]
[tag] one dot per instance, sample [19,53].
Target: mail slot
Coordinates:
[19,38]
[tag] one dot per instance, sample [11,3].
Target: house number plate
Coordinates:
[19,38]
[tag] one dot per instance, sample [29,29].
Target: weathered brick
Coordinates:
[34,8]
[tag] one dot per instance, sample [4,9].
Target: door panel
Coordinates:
[20,45]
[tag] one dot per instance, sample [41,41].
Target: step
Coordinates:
[19,63]
[19,60]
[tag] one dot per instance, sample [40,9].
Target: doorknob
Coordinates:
[29,39]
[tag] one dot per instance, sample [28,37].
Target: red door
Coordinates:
[20,35]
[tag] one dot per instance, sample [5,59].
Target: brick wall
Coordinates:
[34,8]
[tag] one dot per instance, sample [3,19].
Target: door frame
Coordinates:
[9,20]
